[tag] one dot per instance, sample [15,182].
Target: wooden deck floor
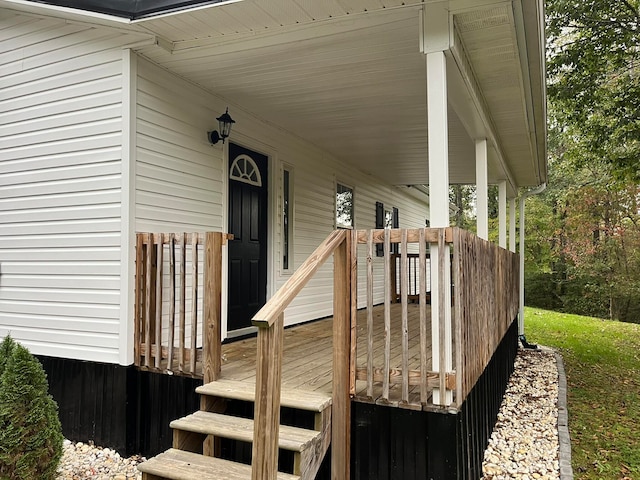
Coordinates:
[307,359]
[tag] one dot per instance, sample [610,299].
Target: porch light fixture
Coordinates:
[224,121]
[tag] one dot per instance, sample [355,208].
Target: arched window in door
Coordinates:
[244,169]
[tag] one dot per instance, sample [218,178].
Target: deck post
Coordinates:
[341,408]
[211,348]
[264,461]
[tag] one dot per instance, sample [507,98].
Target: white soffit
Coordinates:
[348,76]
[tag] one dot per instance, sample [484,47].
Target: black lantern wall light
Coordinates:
[224,125]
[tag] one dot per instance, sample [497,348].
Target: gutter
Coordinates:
[523,198]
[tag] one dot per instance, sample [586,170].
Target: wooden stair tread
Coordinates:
[180,465]
[239,390]
[236,428]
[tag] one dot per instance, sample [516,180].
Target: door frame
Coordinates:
[272,192]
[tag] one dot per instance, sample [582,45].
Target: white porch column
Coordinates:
[439,212]
[482,189]
[512,224]
[502,214]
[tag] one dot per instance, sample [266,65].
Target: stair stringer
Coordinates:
[307,464]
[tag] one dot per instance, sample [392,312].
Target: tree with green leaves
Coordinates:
[594,80]
[584,259]
[30,432]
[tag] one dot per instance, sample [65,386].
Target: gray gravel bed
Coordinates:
[524,444]
[82,461]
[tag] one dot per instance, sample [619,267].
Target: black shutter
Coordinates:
[379,224]
[396,224]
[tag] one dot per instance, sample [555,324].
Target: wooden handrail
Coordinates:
[270,323]
[277,304]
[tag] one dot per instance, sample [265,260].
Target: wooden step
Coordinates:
[239,390]
[179,465]
[226,426]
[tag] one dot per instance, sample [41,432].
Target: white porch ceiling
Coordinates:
[348,76]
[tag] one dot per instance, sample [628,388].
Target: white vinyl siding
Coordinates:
[314,217]
[178,174]
[181,181]
[60,187]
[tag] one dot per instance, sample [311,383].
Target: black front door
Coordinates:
[248,224]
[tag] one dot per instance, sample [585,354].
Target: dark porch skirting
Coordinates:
[119,407]
[393,444]
[130,410]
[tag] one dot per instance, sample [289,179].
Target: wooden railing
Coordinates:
[270,323]
[412,272]
[486,298]
[477,301]
[178,303]
[408,369]
[481,282]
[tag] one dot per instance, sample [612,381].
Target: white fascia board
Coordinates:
[23,6]
[528,18]
[82,17]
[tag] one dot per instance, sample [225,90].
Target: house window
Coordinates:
[386,219]
[344,206]
[287,218]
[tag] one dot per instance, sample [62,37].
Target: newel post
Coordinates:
[341,408]
[212,307]
[264,461]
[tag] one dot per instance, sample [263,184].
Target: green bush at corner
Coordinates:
[30,432]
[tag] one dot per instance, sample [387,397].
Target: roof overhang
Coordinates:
[350,78]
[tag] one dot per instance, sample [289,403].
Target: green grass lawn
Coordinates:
[602,360]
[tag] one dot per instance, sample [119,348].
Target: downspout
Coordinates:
[526,195]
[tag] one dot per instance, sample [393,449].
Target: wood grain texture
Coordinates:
[138,310]
[212,305]
[158,327]
[172,298]
[341,409]
[194,303]
[264,461]
[424,330]
[186,465]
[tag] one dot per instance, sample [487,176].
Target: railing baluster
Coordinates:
[404,274]
[149,288]
[370,314]
[424,340]
[353,280]
[387,316]
[172,298]
[183,300]
[442,286]
[159,270]
[457,315]
[138,314]
[194,302]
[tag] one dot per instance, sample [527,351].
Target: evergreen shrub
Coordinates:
[30,431]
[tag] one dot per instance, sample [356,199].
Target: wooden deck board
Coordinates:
[307,359]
